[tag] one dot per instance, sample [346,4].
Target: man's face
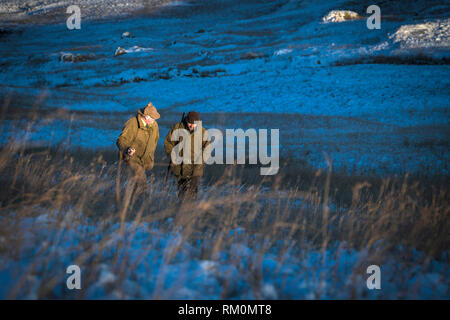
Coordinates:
[148,119]
[191,126]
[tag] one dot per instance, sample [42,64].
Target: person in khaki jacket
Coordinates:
[188,174]
[138,140]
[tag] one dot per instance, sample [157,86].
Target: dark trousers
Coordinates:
[188,188]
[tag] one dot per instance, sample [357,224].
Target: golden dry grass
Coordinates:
[46,195]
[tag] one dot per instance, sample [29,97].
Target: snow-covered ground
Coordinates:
[19,11]
[374,100]
[435,34]
[147,272]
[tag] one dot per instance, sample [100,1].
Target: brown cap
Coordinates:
[150,110]
[193,116]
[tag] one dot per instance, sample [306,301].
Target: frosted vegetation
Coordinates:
[364,133]
[241,240]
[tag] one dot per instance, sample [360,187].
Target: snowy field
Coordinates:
[151,274]
[376,102]
[360,98]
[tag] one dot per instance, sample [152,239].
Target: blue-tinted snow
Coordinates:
[274,58]
[270,58]
[309,274]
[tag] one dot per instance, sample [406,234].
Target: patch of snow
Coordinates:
[269,292]
[106,277]
[126,34]
[133,49]
[283,51]
[176,3]
[340,16]
[208,266]
[429,34]
[17,10]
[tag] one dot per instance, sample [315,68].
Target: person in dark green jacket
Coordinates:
[188,174]
[138,140]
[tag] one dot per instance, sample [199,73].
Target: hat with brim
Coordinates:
[150,110]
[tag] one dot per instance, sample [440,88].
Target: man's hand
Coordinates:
[131,151]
